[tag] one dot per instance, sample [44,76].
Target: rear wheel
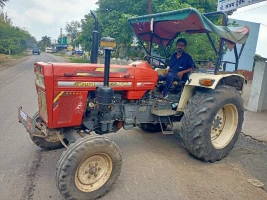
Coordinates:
[88,168]
[212,122]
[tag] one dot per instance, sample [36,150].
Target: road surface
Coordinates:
[155,166]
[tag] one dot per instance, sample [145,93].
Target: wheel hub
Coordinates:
[217,122]
[224,126]
[93,172]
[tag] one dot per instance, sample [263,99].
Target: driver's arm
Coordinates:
[190,65]
[181,73]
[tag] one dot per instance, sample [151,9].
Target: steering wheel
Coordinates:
[150,59]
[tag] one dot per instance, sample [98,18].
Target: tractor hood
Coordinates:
[133,79]
[87,69]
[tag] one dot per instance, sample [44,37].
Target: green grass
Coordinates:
[78,60]
[21,55]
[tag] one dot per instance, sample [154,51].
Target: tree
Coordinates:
[4,17]
[72,29]
[113,16]
[3,3]
[45,42]
[12,39]
[84,38]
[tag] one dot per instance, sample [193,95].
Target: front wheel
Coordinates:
[46,144]
[51,143]
[88,168]
[212,122]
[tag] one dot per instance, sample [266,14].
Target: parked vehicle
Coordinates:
[49,50]
[36,50]
[78,52]
[76,100]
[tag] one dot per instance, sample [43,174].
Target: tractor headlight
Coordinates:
[39,80]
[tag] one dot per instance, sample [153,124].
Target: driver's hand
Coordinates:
[180,75]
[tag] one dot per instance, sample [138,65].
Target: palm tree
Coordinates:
[3,2]
[46,41]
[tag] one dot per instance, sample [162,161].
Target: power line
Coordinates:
[248,10]
[263,24]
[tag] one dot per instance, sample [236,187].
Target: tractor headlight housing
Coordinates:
[39,80]
[39,77]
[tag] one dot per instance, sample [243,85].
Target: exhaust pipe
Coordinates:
[108,44]
[95,38]
[105,93]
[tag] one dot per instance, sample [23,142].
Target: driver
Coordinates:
[181,64]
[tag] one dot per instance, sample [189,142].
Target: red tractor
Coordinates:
[76,100]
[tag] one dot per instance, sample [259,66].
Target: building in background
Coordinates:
[246,60]
[63,42]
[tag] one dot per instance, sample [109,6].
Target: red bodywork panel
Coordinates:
[67,86]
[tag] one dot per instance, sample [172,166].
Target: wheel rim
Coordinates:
[224,126]
[93,172]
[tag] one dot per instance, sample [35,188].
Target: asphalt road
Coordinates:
[155,166]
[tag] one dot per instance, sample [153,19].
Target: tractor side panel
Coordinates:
[68,108]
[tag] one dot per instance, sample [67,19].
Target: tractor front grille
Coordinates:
[66,106]
[42,105]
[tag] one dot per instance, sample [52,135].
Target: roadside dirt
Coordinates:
[7,61]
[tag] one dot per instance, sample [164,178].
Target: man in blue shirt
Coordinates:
[181,64]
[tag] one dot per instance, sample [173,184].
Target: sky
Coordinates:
[45,18]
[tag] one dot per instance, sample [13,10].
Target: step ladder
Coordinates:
[169,132]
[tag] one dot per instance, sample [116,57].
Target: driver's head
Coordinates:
[180,45]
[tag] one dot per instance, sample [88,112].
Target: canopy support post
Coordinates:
[241,50]
[212,43]
[236,58]
[221,43]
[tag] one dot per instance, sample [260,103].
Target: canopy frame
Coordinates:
[166,42]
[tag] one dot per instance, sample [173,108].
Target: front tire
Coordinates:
[88,168]
[212,122]
[45,144]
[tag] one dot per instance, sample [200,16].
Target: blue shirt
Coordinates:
[180,64]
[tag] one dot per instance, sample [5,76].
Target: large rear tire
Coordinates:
[88,168]
[212,122]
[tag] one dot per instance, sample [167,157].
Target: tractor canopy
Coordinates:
[163,28]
